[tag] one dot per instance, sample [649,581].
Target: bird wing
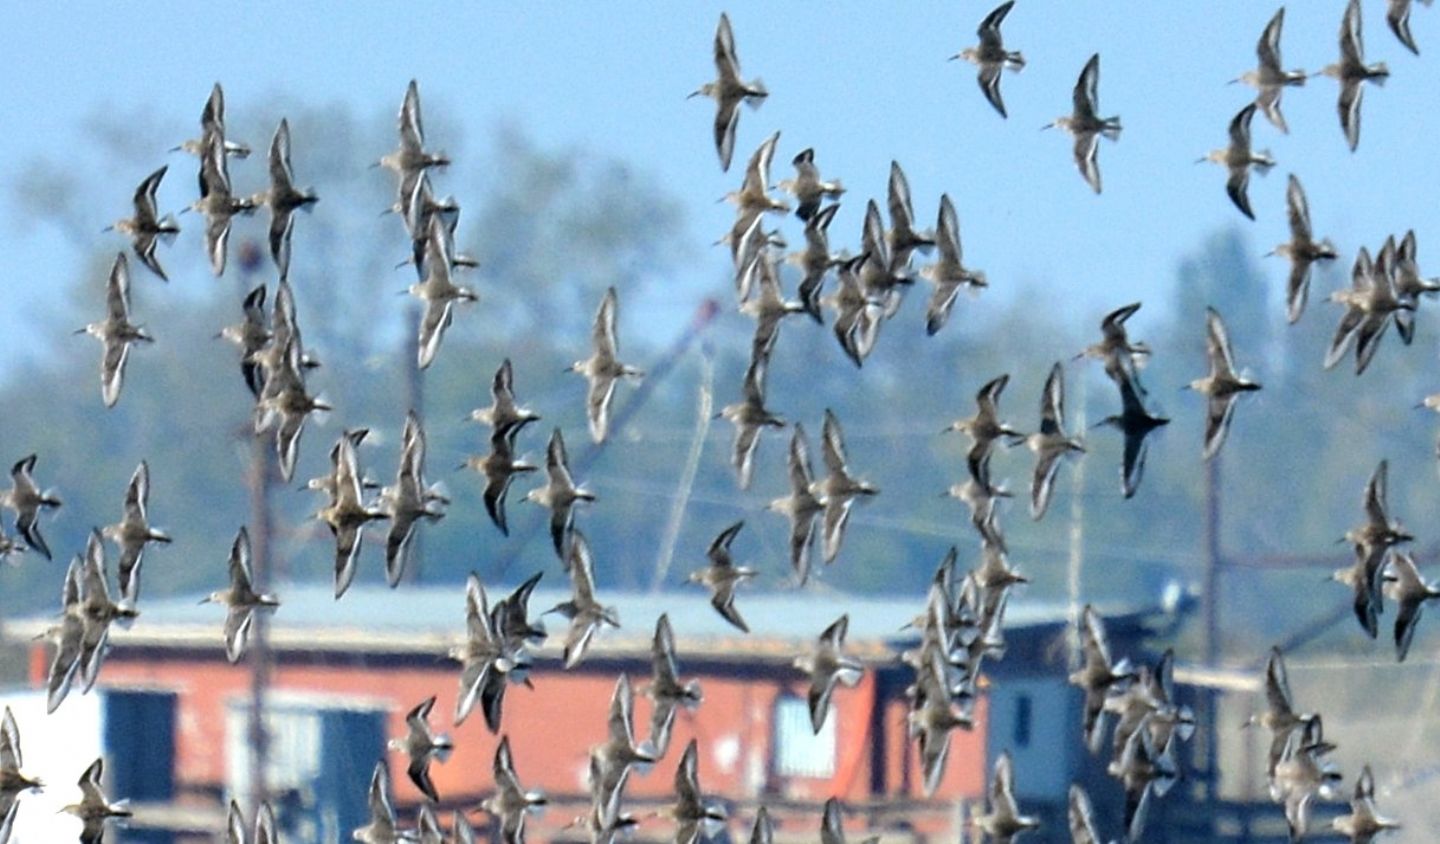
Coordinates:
[1240,127]
[1405,623]
[1042,484]
[1269,102]
[1081,816]
[757,171]
[238,622]
[832,830]
[1086,96]
[719,551]
[1218,411]
[112,370]
[437,317]
[1397,15]
[1297,207]
[10,757]
[1376,509]
[1217,344]
[282,221]
[582,571]
[723,600]
[1002,787]
[602,335]
[802,533]
[145,211]
[798,462]
[989,30]
[1087,147]
[1052,403]
[597,405]
[412,128]
[822,687]
[726,64]
[833,444]
[117,290]
[947,233]
[347,553]
[217,239]
[138,493]
[65,661]
[419,773]
[727,119]
[1237,188]
[1267,50]
[662,653]
[1368,337]
[902,209]
[1352,93]
[837,513]
[1297,289]
[280,175]
[942,301]
[1352,35]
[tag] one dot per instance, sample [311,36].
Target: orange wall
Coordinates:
[553,726]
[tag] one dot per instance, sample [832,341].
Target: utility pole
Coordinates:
[1213,564]
[1077,542]
[259,479]
[415,396]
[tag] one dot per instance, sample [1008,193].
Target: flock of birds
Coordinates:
[962,620]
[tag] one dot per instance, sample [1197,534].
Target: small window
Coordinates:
[799,751]
[1022,721]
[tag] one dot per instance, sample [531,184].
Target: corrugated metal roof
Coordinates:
[427,618]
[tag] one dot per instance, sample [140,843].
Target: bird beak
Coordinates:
[78,331]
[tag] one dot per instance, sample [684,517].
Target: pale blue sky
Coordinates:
[862,83]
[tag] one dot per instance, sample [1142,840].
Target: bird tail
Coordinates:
[757,93]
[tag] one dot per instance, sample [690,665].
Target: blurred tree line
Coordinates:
[552,229]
